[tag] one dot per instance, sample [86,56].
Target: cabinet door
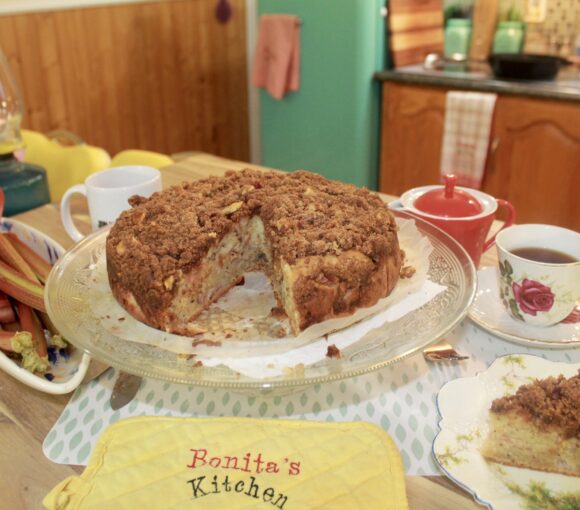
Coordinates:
[411,136]
[534,160]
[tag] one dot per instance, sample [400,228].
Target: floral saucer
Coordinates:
[464,427]
[488,312]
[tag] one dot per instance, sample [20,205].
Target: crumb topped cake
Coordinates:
[538,427]
[328,248]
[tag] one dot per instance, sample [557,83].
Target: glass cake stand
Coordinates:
[68,304]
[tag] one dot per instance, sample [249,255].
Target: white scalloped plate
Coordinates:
[67,370]
[463,405]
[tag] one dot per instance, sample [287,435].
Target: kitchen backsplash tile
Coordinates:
[559,33]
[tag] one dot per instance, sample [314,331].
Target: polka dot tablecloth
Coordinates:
[400,398]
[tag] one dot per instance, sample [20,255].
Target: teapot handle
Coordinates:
[510,220]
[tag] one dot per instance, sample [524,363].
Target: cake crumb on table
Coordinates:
[333,352]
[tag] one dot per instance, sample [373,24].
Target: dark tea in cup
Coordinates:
[546,255]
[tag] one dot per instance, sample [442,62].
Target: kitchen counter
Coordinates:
[479,77]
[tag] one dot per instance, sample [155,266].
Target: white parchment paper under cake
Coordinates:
[239,330]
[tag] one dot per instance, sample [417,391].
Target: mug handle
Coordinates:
[510,220]
[65,214]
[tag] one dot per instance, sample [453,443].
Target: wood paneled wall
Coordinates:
[164,76]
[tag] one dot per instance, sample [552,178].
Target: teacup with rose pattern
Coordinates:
[537,292]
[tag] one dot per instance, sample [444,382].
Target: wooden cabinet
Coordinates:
[535,163]
[411,134]
[533,160]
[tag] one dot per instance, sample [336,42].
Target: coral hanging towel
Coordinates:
[277,57]
[468,118]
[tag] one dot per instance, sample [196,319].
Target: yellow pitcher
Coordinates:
[65,165]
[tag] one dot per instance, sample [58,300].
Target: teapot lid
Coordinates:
[449,202]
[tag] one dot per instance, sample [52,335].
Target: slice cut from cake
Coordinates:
[538,427]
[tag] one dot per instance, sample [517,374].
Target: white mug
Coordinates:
[108,193]
[534,290]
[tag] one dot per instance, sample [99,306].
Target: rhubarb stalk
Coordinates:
[12,326]
[47,323]
[40,266]
[6,311]
[32,325]
[21,288]
[10,256]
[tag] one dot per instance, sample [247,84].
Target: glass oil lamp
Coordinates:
[25,185]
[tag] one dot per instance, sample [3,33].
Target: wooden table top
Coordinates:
[27,415]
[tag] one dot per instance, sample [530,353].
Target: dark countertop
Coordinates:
[479,77]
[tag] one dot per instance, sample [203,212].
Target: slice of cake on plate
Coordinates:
[538,427]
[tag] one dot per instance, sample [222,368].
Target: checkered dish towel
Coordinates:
[468,117]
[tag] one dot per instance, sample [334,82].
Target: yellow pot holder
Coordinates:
[237,463]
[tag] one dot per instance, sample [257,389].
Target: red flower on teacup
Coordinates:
[533,297]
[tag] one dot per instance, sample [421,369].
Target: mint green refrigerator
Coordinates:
[331,125]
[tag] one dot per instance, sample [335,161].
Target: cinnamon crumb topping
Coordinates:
[278,312]
[304,214]
[552,401]
[185,357]
[333,351]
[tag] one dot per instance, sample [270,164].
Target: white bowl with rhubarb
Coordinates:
[31,349]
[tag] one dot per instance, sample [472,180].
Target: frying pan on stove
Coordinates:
[526,66]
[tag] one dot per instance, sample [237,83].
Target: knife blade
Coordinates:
[124,390]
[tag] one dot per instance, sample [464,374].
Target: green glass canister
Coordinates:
[25,185]
[457,37]
[509,37]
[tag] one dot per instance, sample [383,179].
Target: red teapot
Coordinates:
[465,214]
